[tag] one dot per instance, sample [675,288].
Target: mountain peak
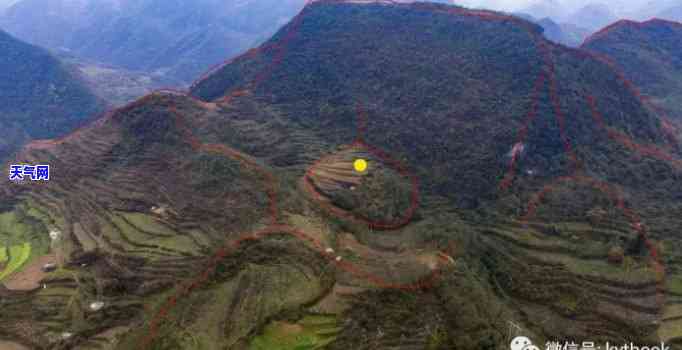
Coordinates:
[39,97]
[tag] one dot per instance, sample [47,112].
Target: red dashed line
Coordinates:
[625,140]
[182,291]
[523,132]
[617,198]
[374,224]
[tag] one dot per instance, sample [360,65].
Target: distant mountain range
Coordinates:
[39,96]
[564,33]
[598,14]
[174,38]
[592,17]
[545,8]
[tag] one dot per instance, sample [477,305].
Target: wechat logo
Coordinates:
[522,343]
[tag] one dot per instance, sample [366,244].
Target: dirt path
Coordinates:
[7,345]
[30,276]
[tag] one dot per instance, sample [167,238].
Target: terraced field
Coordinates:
[311,332]
[127,243]
[135,246]
[121,237]
[14,258]
[574,286]
[383,195]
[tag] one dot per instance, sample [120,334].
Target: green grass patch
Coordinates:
[18,256]
[19,228]
[171,240]
[675,284]
[12,230]
[312,332]
[3,255]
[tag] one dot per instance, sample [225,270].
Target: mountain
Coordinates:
[545,8]
[592,17]
[235,217]
[575,34]
[650,54]
[174,38]
[39,96]
[565,33]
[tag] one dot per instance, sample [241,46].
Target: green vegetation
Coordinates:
[429,101]
[675,285]
[22,238]
[309,333]
[3,254]
[18,256]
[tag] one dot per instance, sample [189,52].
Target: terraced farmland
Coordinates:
[14,258]
[311,332]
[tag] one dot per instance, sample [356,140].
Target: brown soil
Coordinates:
[347,241]
[334,302]
[30,276]
[7,345]
[290,328]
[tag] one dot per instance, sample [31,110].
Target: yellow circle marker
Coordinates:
[360,165]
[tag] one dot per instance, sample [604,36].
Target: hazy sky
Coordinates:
[570,5]
[497,4]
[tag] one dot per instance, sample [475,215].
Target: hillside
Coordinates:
[650,54]
[177,39]
[39,97]
[502,180]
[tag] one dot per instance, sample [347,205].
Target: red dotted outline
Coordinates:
[275,228]
[185,289]
[359,142]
